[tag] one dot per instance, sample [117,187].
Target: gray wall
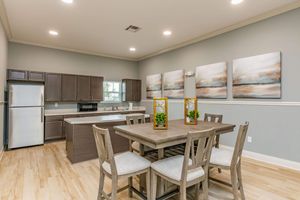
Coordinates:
[273,128]
[29,57]
[3,65]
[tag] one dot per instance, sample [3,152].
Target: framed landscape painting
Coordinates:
[211,81]
[257,77]
[174,84]
[154,86]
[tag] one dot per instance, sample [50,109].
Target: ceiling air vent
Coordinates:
[133,28]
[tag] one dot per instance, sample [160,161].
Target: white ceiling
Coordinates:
[97,26]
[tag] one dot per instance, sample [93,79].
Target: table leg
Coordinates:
[160,181]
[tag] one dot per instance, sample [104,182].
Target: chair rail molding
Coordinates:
[268,159]
[256,103]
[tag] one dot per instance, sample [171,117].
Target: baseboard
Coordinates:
[269,159]
[1,154]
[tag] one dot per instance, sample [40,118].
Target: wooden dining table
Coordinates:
[175,134]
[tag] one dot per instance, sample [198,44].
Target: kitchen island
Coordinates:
[80,142]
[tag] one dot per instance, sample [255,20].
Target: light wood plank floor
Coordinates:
[44,172]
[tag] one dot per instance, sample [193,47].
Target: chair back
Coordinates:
[239,144]
[104,147]
[198,149]
[135,119]
[213,118]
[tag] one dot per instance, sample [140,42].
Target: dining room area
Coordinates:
[149,100]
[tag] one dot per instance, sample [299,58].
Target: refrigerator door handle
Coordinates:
[42,99]
[42,115]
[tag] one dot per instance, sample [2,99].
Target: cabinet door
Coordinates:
[83,88]
[69,87]
[36,76]
[17,75]
[53,87]
[97,88]
[137,90]
[129,91]
[54,130]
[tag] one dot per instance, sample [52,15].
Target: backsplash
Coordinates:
[56,106]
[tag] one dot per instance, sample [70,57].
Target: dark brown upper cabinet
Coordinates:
[36,76]
[17,75]
[53,87]
[132,89]
[83,88]
[97,88]
[69,88]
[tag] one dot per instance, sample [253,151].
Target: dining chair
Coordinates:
[188,169]
[122,165]
[136,119]
[231,160]
[217,119]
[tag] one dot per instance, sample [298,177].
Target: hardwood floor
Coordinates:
[44,172]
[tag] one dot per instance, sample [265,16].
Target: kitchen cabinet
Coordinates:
[53,87]
[97,88]
[17,75]
[132,89]
[83,88]
[36,76]
[54,128]
[69,88]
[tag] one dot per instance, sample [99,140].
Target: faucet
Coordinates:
[114,108]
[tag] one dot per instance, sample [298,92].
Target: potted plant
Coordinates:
[160,119]
[191,115]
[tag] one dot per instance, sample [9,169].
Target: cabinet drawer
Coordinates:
[54,118]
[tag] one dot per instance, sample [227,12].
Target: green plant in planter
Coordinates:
[160,119]
[191,115]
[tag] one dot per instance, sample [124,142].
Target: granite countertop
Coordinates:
[75,112]
[99,119]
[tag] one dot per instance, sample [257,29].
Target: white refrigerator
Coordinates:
[25,115]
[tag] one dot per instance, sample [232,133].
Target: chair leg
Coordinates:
[240,182]
[234,183]
[182,193]
[153,185]
[148,184]
[130,185]
[101,185]
[114,188]
[205,188]
[197,191]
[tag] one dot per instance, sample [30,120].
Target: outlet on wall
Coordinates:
[56,105]
[249,139]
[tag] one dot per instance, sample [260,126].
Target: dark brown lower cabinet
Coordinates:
[54,128]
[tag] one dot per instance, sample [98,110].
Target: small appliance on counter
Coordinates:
[130,106]
[87,107]
[25,115]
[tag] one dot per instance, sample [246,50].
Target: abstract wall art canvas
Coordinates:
[211,81]
[174,84]
[257,76]
[154,86]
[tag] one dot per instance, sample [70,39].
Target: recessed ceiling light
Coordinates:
[235,2]
[167,33]
[53,32]
[132,49]
[67,1]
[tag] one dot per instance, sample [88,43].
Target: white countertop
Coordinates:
[56,112]
[99,119]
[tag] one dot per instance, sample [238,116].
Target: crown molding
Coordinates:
[72,50]
[238,25]
[4,20]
